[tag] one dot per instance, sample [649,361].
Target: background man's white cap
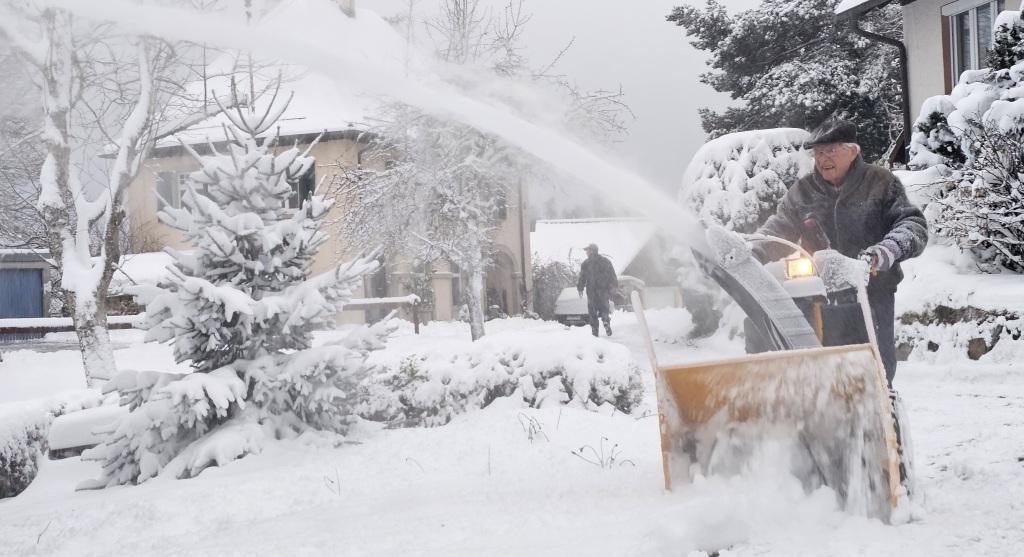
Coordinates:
[590,247]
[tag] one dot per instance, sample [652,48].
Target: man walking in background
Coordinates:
[598,276]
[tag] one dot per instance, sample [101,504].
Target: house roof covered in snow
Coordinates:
[618,239]
[320,103]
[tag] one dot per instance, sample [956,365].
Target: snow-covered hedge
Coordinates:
[23,428]
[539,368]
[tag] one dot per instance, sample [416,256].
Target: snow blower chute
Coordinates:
[812,379]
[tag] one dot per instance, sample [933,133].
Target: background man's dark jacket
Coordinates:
[871,206]
[598,276]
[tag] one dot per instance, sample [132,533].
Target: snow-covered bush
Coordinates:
[241,309]
[738,179]
[982,208]
[23,429]
[538,368]
[24,432]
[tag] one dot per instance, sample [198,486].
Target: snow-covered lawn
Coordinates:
[480,486]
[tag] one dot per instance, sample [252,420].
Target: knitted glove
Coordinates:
[882,256]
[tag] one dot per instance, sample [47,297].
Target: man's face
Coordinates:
[591,253]
[833,160]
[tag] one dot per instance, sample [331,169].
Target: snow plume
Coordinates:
[315,50]
[241,310]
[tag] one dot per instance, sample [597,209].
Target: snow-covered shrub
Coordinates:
[242,310]
[736,181]
[982,208]
[538,368]
[23,430]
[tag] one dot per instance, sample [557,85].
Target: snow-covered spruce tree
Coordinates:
[794,65]
[241,309]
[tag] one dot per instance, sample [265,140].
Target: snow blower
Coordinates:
[812,378]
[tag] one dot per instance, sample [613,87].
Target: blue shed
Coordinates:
[24,287]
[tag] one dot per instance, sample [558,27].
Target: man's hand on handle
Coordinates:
[881,256]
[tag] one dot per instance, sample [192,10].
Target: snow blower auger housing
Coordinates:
[829,404]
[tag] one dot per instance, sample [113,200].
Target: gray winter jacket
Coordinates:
[870,206]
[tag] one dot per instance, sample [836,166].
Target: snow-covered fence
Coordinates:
[43,325]
[411,301]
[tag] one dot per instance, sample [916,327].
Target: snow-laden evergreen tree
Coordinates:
[974,137]
[793,65]
[242,310]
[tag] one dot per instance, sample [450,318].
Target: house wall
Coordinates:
[152,235]
[924,33]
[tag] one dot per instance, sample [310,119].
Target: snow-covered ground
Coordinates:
[481,486]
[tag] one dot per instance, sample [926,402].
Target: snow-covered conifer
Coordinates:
[241,309]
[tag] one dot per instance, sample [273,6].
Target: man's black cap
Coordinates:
[832,131]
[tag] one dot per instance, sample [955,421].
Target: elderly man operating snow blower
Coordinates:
[858,209]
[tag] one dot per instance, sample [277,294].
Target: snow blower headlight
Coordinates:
[799,268]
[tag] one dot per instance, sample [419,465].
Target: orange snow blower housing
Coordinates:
[830,402]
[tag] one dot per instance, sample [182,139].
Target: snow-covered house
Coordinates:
[631,244]
[336,113]
[943,39]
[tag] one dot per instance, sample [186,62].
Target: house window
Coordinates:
[302,189]
[501,206]
[971,26]
[167,191]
